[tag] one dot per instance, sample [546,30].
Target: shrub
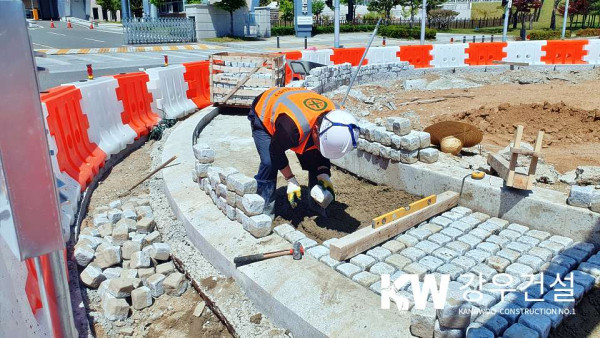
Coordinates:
[404,32]
[544,35]
[588,32]
[282,30]
[398,32]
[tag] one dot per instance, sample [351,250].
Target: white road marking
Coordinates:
[45,46]
[56,33]
[110,56]
[94,40]
[54,60]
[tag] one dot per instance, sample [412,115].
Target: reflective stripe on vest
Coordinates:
[268,108]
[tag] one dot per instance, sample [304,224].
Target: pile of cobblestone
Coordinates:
[396,141]
[232,192]
[328,78]
[497,270]
[123,257]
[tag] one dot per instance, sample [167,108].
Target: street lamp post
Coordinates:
[506,15]
[336,24]
[423,16]
[564,27]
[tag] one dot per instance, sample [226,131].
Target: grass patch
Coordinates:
[486,10]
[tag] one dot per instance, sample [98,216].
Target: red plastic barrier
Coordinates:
[198,79]
[132,91]
[293,55]
[417,55]
[564,52]
[485,53]
[76,155]
[352,55]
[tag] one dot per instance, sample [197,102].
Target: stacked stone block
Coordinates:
[328,78]
[396,141]
[486,256]
[124,259]
[232,192]
[585,197]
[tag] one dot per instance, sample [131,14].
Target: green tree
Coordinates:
[110,5]
[317,8]
[441,18]
[157,3]
[286,7]
[384,6]
[264,3]
[230,6]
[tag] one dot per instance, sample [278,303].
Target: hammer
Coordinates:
[296,251]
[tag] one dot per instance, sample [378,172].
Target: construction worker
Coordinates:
[308,124]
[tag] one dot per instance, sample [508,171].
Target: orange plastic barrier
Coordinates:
[76,155]
[132,91]
[198,79]
[352,55]
[293,55]
[485,53]
[564,52]
[417,55]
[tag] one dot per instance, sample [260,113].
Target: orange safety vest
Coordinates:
[303,106]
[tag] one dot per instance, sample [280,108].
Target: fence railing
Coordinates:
[454,24]
[158,30]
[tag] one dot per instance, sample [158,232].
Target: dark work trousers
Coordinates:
[266,178]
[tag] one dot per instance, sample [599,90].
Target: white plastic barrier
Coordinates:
[100,104]
[169,91]
[383,54]
[525,51]
[450,55]
[593,52]
[319,56]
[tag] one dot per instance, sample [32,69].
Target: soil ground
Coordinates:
[562,104]
[357,203]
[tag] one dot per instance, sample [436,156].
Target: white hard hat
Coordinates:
[338,134]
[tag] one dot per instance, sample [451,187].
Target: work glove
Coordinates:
[293,191]
[325,181]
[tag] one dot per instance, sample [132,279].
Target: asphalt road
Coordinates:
[76,37]
[72,67]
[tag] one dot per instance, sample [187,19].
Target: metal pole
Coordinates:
[506,15]
[564,27]
[361,61]
[423,16]
[61,292]
[124,10]
[336,24]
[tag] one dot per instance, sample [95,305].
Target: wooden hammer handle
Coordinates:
[244,260]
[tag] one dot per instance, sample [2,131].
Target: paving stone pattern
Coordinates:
[485,255]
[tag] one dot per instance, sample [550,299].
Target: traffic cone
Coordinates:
[69,24]
[52,23]
[91,25]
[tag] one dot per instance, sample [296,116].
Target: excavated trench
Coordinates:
[357,202]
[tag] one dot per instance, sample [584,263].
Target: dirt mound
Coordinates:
[357,203]
[561,123]
[572,135]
